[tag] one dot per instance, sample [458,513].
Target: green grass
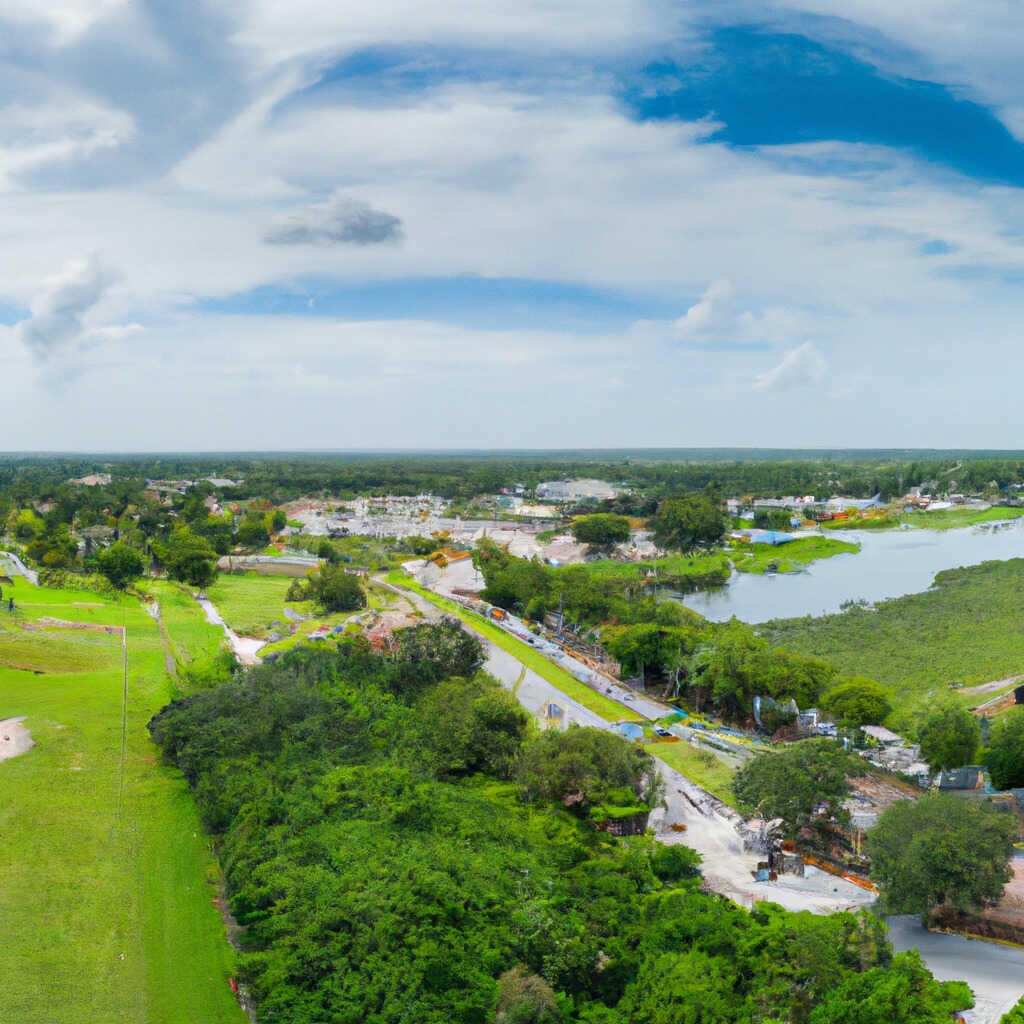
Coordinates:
[56,650]
[105,902]
[699,766]
[790,557]
[609,710]
[675,566]
[966,630]
[942,519]
[249,602]
[948,519]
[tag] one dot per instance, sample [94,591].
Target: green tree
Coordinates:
[336,590]
[949,736]
[772,518]
[1004,756]
[857,701]
[804,784]
[584,767]
[737,665]
[649,646]
[525,998]
[252,533]
[471,725]
[27,525]
[686,524]
[430,652]
[903,993]
[941,850]
[601,530]
[188,557]
[1015,1016]
[120,564]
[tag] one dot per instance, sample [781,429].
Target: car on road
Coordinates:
[627,696]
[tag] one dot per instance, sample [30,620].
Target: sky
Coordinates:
[245,224]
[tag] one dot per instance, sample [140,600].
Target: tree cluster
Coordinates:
[400,848]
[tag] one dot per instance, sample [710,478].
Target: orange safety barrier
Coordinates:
[833,870]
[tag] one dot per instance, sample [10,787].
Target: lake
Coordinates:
[890,563]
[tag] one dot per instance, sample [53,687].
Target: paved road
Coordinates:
[632,704]
[533,692]
[995,973]
[710,824]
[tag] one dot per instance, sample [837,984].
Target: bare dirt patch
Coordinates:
[47,623]
[14,738]
[996,684]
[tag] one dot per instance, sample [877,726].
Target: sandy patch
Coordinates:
[14,738]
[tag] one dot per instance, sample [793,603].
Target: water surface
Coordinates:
[890,563]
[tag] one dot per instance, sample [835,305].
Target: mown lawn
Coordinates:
[964,631]
[790,557]
[609,710]
[105,908]
[699,766]
[249,602]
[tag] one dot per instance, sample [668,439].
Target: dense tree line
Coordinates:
[659,473]
[399,845]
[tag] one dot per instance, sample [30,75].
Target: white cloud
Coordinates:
[800,367]
[173,173]
[68,19]
[56,321]
[712,312]
[57,333]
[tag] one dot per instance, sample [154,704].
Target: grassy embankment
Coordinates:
[790,557]
[105,908]
[699,766]
[941,519]
[676,570]
[190,638]
[964,631]
[609,710]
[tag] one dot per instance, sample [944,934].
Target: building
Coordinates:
[92,480]
[839,504]
[575,490]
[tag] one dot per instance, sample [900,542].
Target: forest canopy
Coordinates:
[399,844]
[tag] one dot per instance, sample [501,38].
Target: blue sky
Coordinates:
[540,224]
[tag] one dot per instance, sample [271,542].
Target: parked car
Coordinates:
[662,731]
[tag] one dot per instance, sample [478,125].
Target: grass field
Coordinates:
[190,637]
[248,602]
[790,557]
[966,630]
[105,908]
[700,766]
[609,710]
